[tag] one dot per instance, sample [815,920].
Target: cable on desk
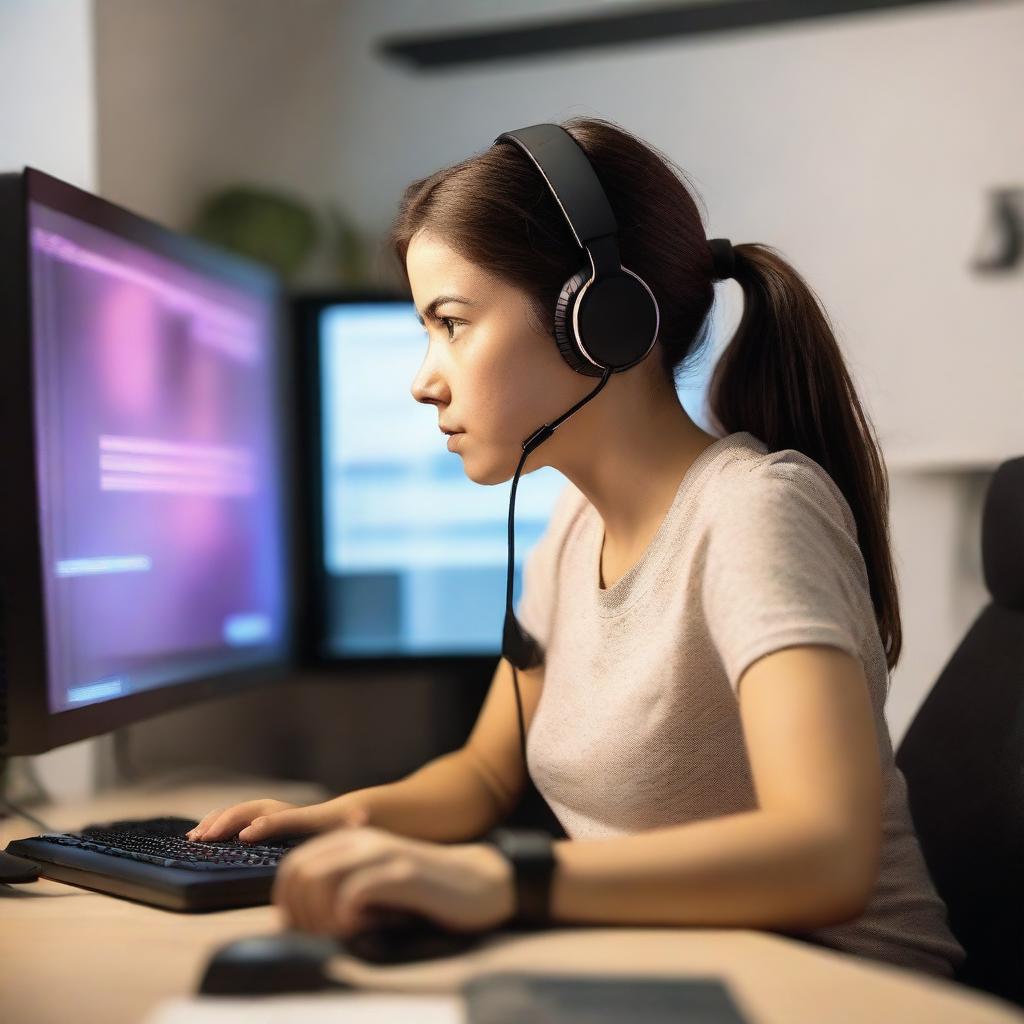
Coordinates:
[25,814]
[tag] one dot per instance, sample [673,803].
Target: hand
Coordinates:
[346,880]
[258,820]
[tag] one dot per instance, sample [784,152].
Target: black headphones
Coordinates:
[606,316]
[606,320]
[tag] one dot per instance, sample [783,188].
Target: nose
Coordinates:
[427,386]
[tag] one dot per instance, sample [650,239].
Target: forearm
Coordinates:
[445,801]
[752,869]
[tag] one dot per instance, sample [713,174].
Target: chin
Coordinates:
[487,476]
[489,472]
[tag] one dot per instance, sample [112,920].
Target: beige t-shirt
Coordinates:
[638,725]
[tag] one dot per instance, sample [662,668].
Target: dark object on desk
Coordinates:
[293,961]
[17,869]
[963,760]
[509,997]
[150,860]
[403,937]
[290,961]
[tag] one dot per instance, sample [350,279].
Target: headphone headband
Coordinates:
[570,176]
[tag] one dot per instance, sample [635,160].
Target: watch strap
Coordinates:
[532,855]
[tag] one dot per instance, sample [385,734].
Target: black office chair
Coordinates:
[963,758]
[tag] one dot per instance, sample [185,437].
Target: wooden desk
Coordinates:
[70,954]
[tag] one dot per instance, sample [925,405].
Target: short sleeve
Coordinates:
[780,569]
[536,607]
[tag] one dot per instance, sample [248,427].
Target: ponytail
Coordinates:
[783,378]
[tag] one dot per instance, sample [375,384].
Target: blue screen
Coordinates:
[415,553]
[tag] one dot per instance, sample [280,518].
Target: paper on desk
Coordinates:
[312,1008]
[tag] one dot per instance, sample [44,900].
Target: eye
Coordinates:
[449,325]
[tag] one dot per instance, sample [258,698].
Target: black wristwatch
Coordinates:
[532,855]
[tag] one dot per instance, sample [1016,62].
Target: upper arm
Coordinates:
[781,569]
[494,745]
[810,733]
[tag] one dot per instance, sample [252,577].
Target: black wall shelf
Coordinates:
[620,26]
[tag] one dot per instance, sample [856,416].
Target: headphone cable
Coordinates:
[519,648]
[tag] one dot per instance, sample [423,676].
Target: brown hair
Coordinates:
[782,376]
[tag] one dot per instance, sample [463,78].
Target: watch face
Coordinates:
[532,855]
[526,842]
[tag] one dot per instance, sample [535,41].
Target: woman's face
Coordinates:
[490,374]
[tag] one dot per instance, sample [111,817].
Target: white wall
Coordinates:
[860,146]
[47,88]
[48,120]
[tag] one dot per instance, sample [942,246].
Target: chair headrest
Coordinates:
[1002,535]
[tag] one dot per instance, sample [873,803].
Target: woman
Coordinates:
[718,613]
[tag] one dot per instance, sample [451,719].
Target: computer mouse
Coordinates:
[290,961]
[17,869]
[401,937]
[293,961]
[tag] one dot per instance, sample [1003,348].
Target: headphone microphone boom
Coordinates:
[606,320]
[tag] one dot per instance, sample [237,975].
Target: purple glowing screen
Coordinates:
[158,465]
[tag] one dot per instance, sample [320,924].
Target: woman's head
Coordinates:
[493,373]
[488,228]
[492,222]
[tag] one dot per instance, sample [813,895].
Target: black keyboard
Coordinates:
[151,861]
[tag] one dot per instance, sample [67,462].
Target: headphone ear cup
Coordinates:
[564,334]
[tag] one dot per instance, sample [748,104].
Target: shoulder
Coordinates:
[755,484]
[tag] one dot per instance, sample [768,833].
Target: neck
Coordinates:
[629,464]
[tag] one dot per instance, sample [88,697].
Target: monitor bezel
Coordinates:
[29,727]
[306,311]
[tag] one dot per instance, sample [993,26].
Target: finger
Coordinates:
[367,894]
[286,891]
[267,825]
[314,897]
[313,850]
[297,819]
[228,822]
[339,845]
[237,817]
[205,823]
[303,884]
[206,820]
[314,900]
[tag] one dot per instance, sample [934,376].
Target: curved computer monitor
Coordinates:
[407,556]
[144,407]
